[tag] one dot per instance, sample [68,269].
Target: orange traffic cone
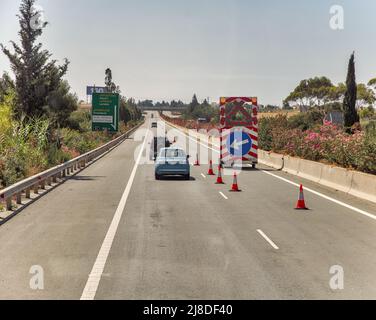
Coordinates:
[235,187]
[197,163]
[301,203]
[219,179]
[211,172]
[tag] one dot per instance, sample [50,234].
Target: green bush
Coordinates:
[306,120]
[81,142]
[57,156]
[80,120]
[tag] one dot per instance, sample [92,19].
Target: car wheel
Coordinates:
[187,177]
[157,177]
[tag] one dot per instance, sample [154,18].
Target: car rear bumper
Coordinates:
[172,170]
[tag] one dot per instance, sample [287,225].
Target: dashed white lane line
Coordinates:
[202,175]
[365,213]
[268,239]
[97,271]
[223,195]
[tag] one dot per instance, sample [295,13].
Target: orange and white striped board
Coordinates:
[239,134]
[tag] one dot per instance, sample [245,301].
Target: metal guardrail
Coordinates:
[39,181]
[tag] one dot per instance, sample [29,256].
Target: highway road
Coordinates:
[114,232]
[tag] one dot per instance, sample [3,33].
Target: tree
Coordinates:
[110,86]
[367,113]
[286,106]
[61,104]
[6,86]
[205,104]
[36,76]
[365,96]
[372,83]
[193,105]
[129,110]
[349,103]
[311,92]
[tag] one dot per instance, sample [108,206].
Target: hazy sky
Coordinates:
[170,49]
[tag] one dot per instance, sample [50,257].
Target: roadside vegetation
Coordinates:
[298,128]
[351,145]
[40,122]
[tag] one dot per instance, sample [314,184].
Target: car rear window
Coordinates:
[172,153]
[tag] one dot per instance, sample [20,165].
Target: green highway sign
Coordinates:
[105,112]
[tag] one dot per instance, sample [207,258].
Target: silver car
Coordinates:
[172,161]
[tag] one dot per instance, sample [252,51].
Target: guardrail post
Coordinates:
[27,193]
[51,176]
[19,198]
[9,203]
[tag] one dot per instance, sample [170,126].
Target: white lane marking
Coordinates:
[204,176]
[96,273]
[267,239]
[365,213]
[223,195]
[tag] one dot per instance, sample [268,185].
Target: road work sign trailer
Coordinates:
[239,131]
[105,112]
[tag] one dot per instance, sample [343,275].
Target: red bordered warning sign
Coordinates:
[239,129]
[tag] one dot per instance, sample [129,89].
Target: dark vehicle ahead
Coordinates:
[157,144]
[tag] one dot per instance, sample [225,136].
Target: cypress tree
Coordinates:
[349,104]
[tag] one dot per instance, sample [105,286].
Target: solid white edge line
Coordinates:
[92,283]
[365,213]
[223,195]
[268,239]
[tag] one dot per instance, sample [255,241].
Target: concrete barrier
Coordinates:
[291,165]
[355,183]
[363,186]
[336,178]
[271,159]
[310,170]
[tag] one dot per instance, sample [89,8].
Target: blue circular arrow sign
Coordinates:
[239,143]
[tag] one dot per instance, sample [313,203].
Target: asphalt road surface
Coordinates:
[114,232]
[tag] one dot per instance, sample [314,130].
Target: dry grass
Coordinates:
[275,114]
